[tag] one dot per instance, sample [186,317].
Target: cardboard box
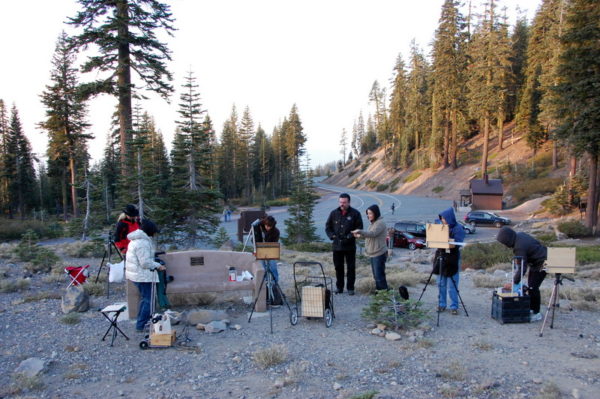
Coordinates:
[163,339]
[267,250]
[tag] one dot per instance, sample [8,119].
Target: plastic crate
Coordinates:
[510,309]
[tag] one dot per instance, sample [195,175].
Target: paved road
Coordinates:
[407,208]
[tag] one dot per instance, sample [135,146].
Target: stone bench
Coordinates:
[200,272]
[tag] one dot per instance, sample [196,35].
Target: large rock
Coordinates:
[215,327]
[31,367]
[75,299]
[204,316]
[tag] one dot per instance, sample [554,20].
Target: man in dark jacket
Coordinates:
[339,226]
[533,255]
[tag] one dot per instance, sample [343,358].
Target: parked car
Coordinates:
[486,218]
[407,240]
[417,229]
[469,227]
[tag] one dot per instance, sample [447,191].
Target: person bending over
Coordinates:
[267,232]
[533,256]
[375,245]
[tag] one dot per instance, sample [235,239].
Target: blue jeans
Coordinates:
[444,285]
[144,307]
[378,268]
[271,264]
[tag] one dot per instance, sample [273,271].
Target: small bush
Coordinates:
[23,383]
[574,229]
[12,229]
[271,356]
[483,256]
[14,285]
[550,391]
[352,173]
[41,296]
[438,189]
[70,318]
[546,238]
[44,261]
[387,307]
[220,237]
[529,188]
[395,182]
[371,184]
[365,395]
[453,371]
[588,254]
[85,249]
[310,247]
[413,176]
[487,281]
[95,289]
[382,187]
[278,202]
[27,247]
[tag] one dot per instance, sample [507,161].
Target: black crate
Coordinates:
[510,309]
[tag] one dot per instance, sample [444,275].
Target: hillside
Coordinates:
[368,172]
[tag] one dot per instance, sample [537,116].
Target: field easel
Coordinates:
[560,261]
[438,236]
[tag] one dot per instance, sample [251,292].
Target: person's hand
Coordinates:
[161,268]
[507,286]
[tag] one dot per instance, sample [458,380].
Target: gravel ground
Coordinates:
[471,357]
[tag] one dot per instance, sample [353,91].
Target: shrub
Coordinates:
[95,289]
[278,202]
[26,249]
[487,281]
[574,229]
[413,176]
[588,254]
[438,189]
[310,247]
[395,182]
[528,188]
[85,249]
[11,229]
[352,173]
[220,237]
[371,184]
[382,187]
[387,307]
[14,285]
[483,256]
[271,356]
[70,318]
[546,238]
[43,261]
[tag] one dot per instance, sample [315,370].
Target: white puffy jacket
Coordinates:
[139,261]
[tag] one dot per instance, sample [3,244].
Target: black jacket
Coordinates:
[262,235]
[523,245]
[338,228]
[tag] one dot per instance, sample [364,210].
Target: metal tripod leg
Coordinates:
[551,304]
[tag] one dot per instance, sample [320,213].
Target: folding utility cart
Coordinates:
[313,293]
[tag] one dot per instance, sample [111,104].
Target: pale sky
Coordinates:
[322,55]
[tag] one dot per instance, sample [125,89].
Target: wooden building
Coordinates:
[486,193]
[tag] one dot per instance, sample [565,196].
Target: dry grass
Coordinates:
[483,345]
[395,278]
[550,391]
[7,250]
[202,299]
[42,296]
[82,249]
[454,371]
[70,319]
[487,281]
[581,298]
[95,289]
[22,383]
[271,356]
[14,285]
[425,343]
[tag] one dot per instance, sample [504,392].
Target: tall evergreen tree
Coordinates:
[577,104]
[398,116]
[65,117]
[519,41]
[124,33]
[300,225]
[4,167]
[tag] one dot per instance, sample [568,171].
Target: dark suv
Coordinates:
[486,218]
[417,229]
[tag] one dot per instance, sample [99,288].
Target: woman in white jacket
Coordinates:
[140,266]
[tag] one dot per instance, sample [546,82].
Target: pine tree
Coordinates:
[576,103]
[519,41]
[124,33]
[246,142]
[4,167]
[300,225]
[418,106]
[398,117]
[65,117]
[343,145]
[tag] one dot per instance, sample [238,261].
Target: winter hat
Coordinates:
[149,227]
[375,209]
[131,211]
[506,236]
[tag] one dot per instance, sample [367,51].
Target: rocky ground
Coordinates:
[471,357]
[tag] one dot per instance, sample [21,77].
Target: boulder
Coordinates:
[392,336]
[75,299]
[215,327]
[31,367]
[204,316]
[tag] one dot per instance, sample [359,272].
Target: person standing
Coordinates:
[450,273]
[393,207]
[375,245]
[533,255]
[339,226]
[128,222]
[267,232]
[140,268]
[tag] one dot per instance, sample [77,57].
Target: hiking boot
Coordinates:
[441,309]
[350,292]
[338,291]
[536,317]
[454,312]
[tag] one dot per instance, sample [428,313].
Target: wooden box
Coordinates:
[561,260]
[313,301]
[267,250]
[163,339]
[438,236]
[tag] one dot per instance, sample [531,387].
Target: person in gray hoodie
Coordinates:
[533,255]
[375,245]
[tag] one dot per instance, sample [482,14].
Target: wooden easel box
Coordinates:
[313,301]
[268,251]
[561,260]
[163,339]
[438,236]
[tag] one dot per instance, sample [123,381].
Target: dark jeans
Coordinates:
[378,268]
[338,262]
[144,309]
[534,280]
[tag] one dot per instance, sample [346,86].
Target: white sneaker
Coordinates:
[535,317]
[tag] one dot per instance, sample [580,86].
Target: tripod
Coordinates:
[272,287]
[558,279]
[108,251]
[440,268]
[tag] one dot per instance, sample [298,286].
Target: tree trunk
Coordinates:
[73,187]
[65,201]
[86,219]
[124,86]
[453,143]
[592,206]
[140,190]
[554,155]
[446,162]
[486,136]
[500,130]
[572,173]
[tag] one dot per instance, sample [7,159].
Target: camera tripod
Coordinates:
[108,251]
[552,303]
[440,268]
[272,287]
